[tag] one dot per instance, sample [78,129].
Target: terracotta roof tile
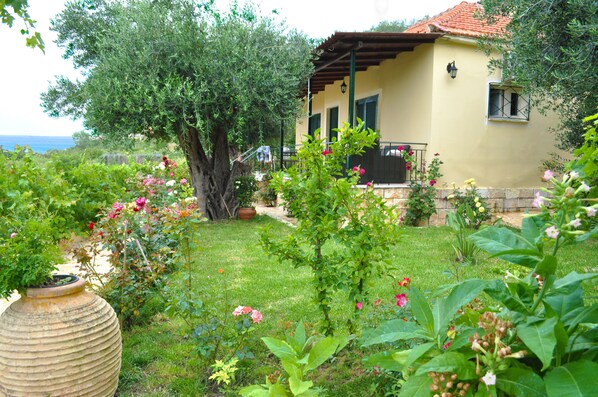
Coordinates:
[460,21]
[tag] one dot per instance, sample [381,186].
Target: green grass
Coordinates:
[158,357]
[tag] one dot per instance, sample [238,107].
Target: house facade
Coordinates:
[480,123]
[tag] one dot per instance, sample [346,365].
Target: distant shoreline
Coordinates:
[37,143]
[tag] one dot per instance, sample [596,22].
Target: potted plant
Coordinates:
[57,339]
[245,188]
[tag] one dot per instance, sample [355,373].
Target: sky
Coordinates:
[25,73]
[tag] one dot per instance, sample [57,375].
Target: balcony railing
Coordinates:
[383,163]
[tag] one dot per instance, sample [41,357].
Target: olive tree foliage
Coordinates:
[18,10]
[550,48]
[176,70]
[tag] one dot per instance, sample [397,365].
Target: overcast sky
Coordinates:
[25,72]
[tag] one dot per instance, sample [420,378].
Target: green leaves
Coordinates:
[577,379]
[520,382]
[507,245]
[540,338]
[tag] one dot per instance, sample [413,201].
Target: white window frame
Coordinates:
[507,102]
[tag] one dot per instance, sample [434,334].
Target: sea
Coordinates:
[39,144]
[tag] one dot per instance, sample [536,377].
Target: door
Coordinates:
[332,124]
[314,124]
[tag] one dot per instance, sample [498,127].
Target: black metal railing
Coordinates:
[384,163]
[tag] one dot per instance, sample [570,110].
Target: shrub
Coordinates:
[421,204]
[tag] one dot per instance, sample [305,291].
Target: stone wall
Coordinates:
[499,199]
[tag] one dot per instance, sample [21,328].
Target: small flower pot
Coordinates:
[246,214]
[59,341]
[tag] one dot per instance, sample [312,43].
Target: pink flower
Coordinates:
[537,203]
[171,174]
[112,215]
[140,202]
[326,152]
[361,171]
[238,311]
[401,148]
[432,182]
[547,175]
[447,345]
[489,379]
[13,235]
[355,169]
[246,309]
[369,184]
[591,211]
[411,153]
[404,282]
[256,316]
[408,166]
[552,232]
[117,206]
[359,305]
[183,181]
[576,223]
[401,300]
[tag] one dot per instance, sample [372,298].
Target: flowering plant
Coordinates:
[421,204]
[538,339]
[245,188]
[469,204]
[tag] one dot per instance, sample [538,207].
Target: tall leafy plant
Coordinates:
[343,231]
[539,340]
[421,204]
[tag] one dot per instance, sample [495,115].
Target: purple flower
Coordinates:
[547,175]
[552,232]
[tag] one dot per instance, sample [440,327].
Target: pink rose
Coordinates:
[359,305]
[183,181]
[140,202]
[256,316]
[401,300]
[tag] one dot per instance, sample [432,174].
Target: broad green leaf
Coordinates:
[461,295]
[421,310]
[540,338]
[299,386]
[581,315]
[571,280]
[254,391]
[547,266]
[383,360]
[520,382]
[320,352]
[499,291]
[576,379]
[280,348]
[532,228]
[417,352]
[507,245]
[416,386]
[297,341]
[564,303]
[447,362]
[392,331]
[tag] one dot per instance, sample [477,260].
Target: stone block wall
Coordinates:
[499,199]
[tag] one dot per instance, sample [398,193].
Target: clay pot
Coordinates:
[246,214]
[59,341]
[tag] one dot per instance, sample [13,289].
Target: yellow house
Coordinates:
[430,88]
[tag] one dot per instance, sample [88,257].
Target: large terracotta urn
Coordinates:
[59,341]
[246,213]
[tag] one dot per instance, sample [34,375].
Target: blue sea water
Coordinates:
[39,144]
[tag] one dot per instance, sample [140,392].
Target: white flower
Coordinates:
[575,223]
[170,182]
[552,232]
[489,379]
[162,166]
[583,187]
[591,211]
[574,175]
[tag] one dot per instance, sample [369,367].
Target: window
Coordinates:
[314,124]
[367,110]
[332,124]
[506,102]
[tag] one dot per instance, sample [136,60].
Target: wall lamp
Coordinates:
[452,69]
[344,87]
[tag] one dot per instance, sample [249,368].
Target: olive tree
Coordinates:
[181,71]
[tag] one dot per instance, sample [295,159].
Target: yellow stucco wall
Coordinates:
[496,153]
[419,102]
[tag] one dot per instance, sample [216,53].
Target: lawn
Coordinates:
[231,269]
